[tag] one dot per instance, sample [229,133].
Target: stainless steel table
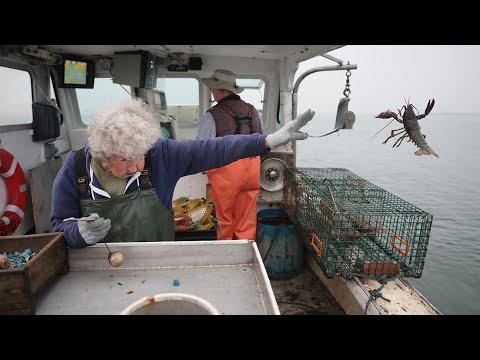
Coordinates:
[228,274]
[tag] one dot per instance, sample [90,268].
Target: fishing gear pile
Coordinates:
[193,215]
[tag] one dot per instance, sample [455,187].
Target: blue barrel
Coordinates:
[279,244]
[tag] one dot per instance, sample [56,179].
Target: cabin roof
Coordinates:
[267,52]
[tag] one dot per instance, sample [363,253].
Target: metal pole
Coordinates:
[330,57]
[311,71]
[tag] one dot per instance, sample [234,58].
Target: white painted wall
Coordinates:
[192,186]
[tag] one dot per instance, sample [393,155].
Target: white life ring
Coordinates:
[12,173]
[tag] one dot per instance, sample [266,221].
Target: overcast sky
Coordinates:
[386,74]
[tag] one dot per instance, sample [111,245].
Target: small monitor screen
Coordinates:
[75,72]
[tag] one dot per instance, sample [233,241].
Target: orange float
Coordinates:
[12,173]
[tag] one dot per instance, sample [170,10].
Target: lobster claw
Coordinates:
[387,115]
[429,106]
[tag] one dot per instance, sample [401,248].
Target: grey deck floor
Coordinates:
[304,294]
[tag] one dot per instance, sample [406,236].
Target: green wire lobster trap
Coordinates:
[354,227]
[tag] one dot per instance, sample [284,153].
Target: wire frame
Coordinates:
[354,227]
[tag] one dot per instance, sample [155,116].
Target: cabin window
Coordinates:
[16,95]
[253,93]
[104,93]
[182,103]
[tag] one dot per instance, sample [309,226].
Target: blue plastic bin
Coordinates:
[279,244]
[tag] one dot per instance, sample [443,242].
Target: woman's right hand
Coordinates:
[95,230]
[290,131]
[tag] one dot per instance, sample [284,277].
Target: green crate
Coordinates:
[354,227]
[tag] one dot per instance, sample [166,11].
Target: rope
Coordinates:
[319,136]
[195,214]
[216,221]
[331,194]
[324,182]
[377,293]
[183,222]
[59,111]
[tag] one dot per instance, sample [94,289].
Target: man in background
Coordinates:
[234,187]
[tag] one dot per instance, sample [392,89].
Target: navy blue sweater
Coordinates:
[170,160]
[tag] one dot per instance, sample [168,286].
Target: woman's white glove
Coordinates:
[290,131]
[95,230]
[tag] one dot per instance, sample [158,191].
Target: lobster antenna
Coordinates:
[381,129]
[418,112]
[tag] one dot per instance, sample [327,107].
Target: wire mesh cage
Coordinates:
[354,227]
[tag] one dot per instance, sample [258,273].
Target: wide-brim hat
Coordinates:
[223,79]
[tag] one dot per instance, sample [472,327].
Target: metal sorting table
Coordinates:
[229,274]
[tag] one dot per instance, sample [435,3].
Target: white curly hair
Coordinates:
[127,130]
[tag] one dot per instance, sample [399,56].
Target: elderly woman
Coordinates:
[125,176]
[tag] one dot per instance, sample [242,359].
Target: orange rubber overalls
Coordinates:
[234,190]
[235,187]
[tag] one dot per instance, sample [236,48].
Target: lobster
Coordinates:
[411,128]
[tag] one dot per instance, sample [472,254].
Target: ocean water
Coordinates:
[447,187]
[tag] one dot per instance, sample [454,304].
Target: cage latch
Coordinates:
[318,249]
[403,241]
